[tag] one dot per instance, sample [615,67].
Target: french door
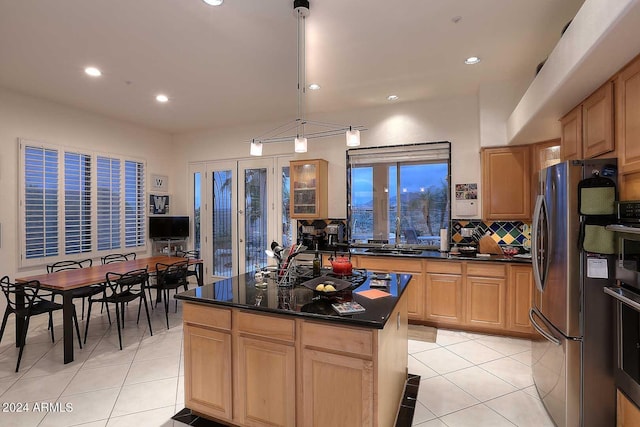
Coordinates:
[239,208]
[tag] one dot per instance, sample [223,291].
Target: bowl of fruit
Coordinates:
[509,251]
[324,285]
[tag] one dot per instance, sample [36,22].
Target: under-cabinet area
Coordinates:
[483,296]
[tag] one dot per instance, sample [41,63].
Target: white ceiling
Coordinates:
[236,63]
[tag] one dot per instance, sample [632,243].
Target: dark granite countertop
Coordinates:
[412,253]
[242,292]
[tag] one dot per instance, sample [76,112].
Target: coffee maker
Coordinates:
[335,235]
[309,236]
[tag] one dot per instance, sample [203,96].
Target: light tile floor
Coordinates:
[475,380]
[466,379]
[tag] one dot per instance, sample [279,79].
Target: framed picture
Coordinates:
[158,204]
[159,183]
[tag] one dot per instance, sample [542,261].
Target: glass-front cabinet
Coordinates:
[309,189]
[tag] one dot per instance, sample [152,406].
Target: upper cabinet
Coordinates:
[628,118]
[506,183]
[309,189]
[597,122]
[587,130]
[571,135]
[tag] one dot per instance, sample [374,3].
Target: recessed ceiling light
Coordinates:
[93,71]
[472,60]
[213,2]
[162,98]
[392,98]
[314,86]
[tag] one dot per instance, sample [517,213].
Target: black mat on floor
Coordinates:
[405,414]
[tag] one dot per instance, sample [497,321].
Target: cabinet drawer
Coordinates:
[387,264]
[444,267]
[337,338]
[486,269]
[268,326]
[206,315]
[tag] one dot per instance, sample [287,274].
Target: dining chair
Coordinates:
[123,288]
[84,292]
[108,259]
[192,269]
[35,303]
[170,276]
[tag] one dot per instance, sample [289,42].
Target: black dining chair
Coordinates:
[108,259]
[35,302]
[170,276]
[123,288]
[85,292]
[192,269]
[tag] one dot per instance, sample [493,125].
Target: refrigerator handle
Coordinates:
[540,330]
[535,250]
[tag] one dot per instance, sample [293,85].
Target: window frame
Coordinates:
[61,151]
[398,155]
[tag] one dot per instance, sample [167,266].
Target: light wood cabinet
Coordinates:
[587,130]
[485,288]
[332,381]
[309,182]
[628,117]
[519,298]
[265,368]
[353,376]
[483,296]
[544,154]
[416,296]
[207,361]
[628,414]
[444,292]
[571,135]
[506,183]
[597,122]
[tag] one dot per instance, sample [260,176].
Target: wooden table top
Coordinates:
[81,277]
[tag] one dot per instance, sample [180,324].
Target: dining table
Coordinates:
[64,282]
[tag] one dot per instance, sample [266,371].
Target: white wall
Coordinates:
[496,103]
[453,119]
[25,117]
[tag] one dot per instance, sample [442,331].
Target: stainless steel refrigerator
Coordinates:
[572,359]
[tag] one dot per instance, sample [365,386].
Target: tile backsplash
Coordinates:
[514,233]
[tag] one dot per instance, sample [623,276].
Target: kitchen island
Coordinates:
[281,356]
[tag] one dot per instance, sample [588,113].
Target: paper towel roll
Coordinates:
[444,240]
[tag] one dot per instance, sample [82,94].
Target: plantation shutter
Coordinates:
[134,212]
[108,208]
[77,203]
[41,202]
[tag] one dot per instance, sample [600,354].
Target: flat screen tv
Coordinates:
[168,227]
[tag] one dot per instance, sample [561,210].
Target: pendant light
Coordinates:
[317,129]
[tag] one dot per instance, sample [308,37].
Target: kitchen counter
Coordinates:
[438,255]
[257,356]
[241,292]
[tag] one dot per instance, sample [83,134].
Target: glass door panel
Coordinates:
[255,205]
[286,226]
[222,220]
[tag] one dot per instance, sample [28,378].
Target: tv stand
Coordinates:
[168,246]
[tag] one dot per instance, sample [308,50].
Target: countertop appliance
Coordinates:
[627,298]
[572,361]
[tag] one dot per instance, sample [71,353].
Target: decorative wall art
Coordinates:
[159,183]
[158,204]
[467,191]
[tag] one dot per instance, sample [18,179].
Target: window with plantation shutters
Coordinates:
[108,208]
[77,203]
[40,202]
[134,204]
